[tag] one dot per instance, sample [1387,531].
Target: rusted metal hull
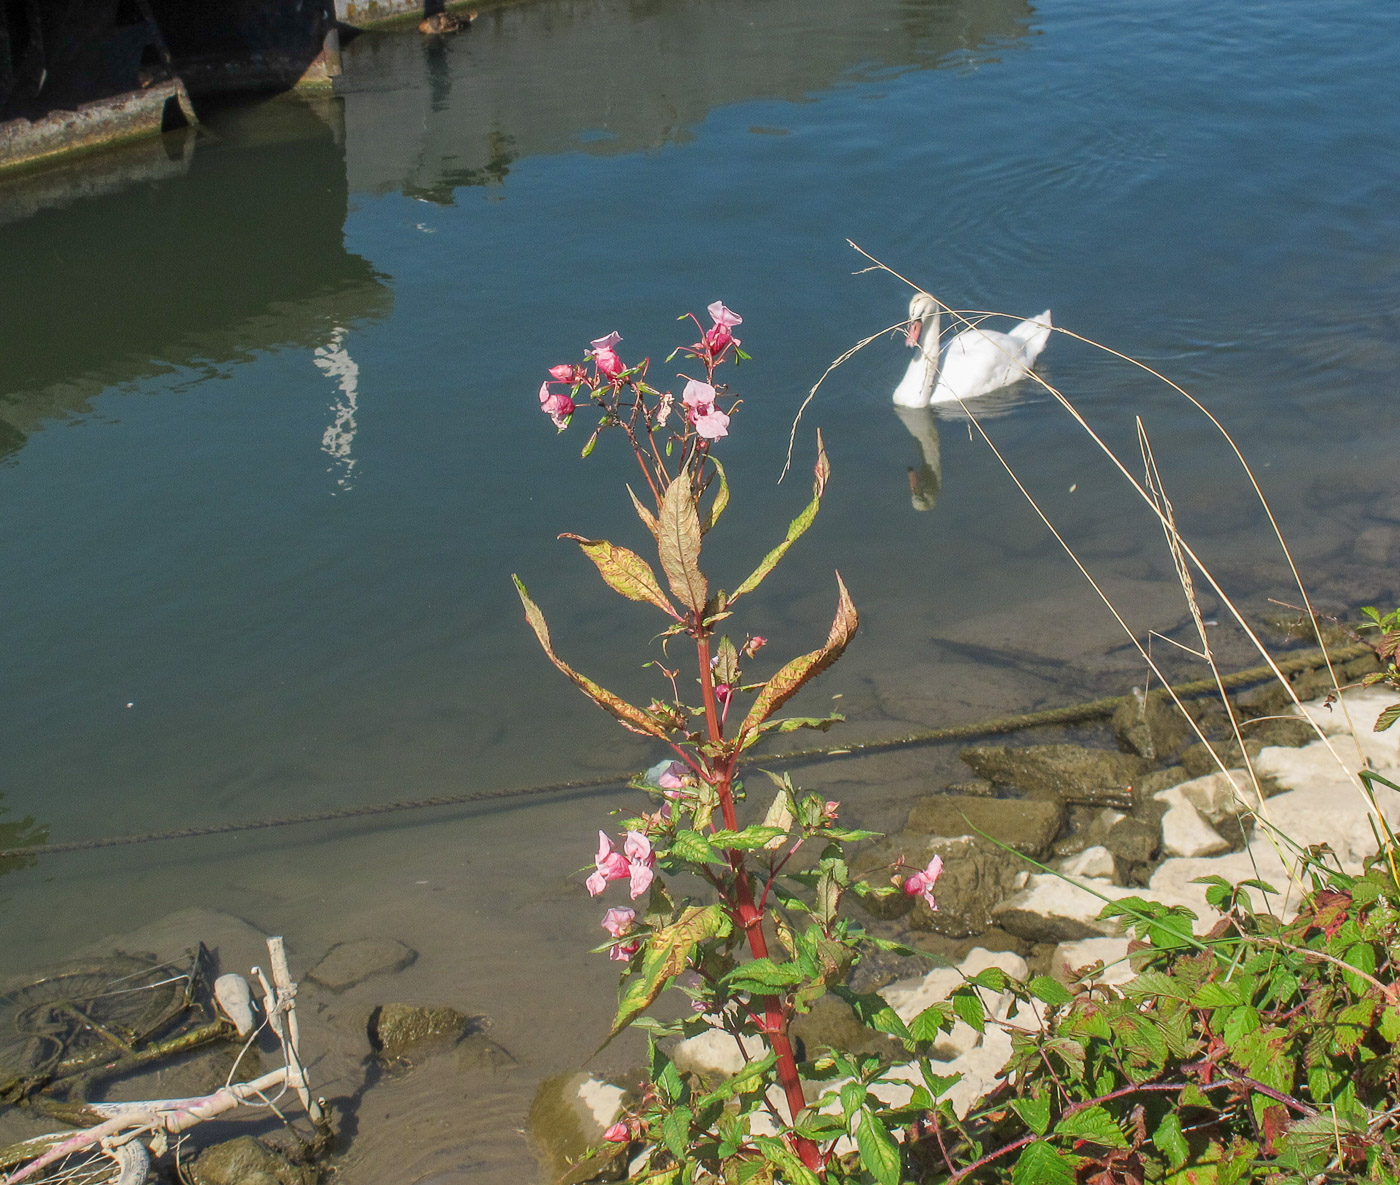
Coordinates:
[160,107]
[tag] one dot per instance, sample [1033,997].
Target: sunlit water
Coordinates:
[273,448]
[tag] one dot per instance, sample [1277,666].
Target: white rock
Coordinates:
[1070,957]
[1050,909]
[979,1068]
[716,1052]
[1185,831]
[1096,861]
[602,1101]
[1217,796]
[235,1000]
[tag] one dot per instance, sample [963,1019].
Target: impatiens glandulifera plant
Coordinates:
[768,937]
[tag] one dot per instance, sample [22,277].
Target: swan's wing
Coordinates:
[978,361]
[1034,332]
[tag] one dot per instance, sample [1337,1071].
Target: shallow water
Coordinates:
[267,399]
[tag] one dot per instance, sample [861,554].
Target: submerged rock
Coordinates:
[248,1161]
[395,1030]
[349,963]
[1071,773]
[1026,824]
[569,1115]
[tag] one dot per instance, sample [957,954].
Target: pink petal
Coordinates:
[605,847]
[723,316]
[697,393]
[614,866]
[638,848]
[712,425]
[640,880]
[606,343]
[596,884]
[934,870]
[562,373]
[617,1134]
[618,920]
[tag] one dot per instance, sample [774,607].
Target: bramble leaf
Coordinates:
[625,572]
[1093,1124]
[878,1152]
[1034,1113]
[632,718]
[1387,717]
[1170,1141]
[1042,1164]
[678,545]
[1050,991]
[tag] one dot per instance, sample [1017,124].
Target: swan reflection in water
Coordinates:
[927,480]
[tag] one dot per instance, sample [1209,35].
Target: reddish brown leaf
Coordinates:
[625,572]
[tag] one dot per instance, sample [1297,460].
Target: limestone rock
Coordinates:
[1072,773]
[1050,909]
[1028,825]
[1096,861]
[1150,726]
[1219,796]
[1072,957]
[1185,831]
[349,963]
[396,1030]
[715,1053]
[569,1115]
[832,1025]
[248,1161]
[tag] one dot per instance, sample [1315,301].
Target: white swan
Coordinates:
[976,362]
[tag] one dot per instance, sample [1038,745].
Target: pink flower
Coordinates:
[923,882]
[617,1134]
[640,860]
[618,920]
[719,337]
[556,405]
[699,400]
[605,357]
[563,373]
[829,814]
[754,645]
[672,777]
[620,952]
[610,866]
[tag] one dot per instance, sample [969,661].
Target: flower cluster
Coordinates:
[623,395]
[634,864]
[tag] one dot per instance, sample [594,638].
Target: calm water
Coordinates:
[272,446]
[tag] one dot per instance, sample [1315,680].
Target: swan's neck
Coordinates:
[928,343]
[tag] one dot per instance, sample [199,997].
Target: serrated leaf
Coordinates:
[992,978]
[678,545]
[796,529]
[1387,717]
[632,718]
[874,1012]
[878,1151]
[692,847]
[763,976]
[625,572]
[720,500]
[853,1096]
[933,1020]
[1170,1141]
[1042,1164]
[777,1153]
[1034,1113]
[789,680]
[1093,1124]
[675,1131]
[648,519]
[754,836]
[969,1007]
[665,956]
[1049,991]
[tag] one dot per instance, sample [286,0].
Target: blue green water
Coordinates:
[274,448]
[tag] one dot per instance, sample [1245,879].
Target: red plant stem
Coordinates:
[749,917]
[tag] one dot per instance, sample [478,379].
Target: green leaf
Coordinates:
[625,572]
[878,1151]
[968,1005]
[692,847]
[933,1020]
[1389,1025]
[1042,1164]
[874,1012]
[754,836]
[1387,717]
[648,519]
[1093,1124]
[678,545]
[777,1153]
[1034,1113]
[1170,1141]
[675,1131]
[853,1096]
[991,978]
[796,529]
[789,680]
[763,976]
[720,501]
[665,956]
[631,717]
[1051,991]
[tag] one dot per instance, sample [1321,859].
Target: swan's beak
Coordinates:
[911,335]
